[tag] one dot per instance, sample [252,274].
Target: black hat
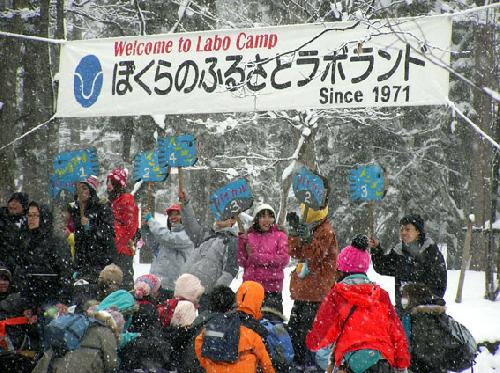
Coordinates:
[415,220]
[360,241]
[21,197]
[222,299]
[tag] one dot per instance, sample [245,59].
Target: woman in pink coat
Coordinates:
[263,254]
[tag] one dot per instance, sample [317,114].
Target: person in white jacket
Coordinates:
[171,245]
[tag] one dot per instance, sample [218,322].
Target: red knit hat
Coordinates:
[119,175]
[92,181]
[174,207]
[353,260]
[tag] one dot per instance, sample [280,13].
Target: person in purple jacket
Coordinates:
[263,254]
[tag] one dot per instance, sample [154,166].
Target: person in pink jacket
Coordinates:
[263,254]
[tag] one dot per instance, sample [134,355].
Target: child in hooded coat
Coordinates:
[150,350]
[251,348]
[358,318]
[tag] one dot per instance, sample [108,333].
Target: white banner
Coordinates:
[290,67]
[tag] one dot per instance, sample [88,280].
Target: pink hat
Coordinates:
[353,260]
[119,175]
[92,181]
[188,287]
[174,207]
[184,314]
[146,285]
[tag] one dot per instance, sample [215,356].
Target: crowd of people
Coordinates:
[183,315]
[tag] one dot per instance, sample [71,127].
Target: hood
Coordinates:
[358,291]
[431,309]
[314,216]
[399,248]
[46,220]
[249,298]
[121,299]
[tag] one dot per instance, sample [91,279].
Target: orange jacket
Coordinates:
[251,348]
[321,257]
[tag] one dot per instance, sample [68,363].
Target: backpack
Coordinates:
[279,343]
[442,342]
[66,332]
[220,338]
[166,311]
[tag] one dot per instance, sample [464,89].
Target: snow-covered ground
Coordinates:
[480,316]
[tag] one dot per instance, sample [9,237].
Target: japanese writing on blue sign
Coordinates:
[367,183]
[147,167]
[309,188]
[71,167]
[230,200]
[178,151]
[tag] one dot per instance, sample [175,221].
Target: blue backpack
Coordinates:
[66,332]
[221,337]
[279,343]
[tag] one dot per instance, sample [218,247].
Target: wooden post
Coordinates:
[181,179]
[465,259]
[371,220]
[146,253]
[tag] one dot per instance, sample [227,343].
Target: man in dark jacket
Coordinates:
[12,224]
[416,259]
[94,233]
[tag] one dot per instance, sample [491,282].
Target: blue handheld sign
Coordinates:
[367,183]
[71,167]
[310,188]
[147,167]
[177,151]
[231,199]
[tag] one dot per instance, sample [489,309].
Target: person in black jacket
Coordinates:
[94,232]
[12,225]
[221,300]
[43,275]
[416,259]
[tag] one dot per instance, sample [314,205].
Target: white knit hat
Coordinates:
[184,314]
[189,287]
[261,207]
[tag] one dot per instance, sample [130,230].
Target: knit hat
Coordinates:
[415,220]
[184,314]
[4,271]
[92,181]
[174,207]
[146,285]
[188,287]
[262,207]
[314,215]
[112,274]
[121,299]
[353,260]
[20,197]
[360,241]
[119,176]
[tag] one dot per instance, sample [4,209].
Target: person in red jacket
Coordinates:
[358,317]
[126,216]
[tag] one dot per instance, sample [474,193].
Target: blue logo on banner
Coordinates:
[88,81]
[231,199]
[367,183]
